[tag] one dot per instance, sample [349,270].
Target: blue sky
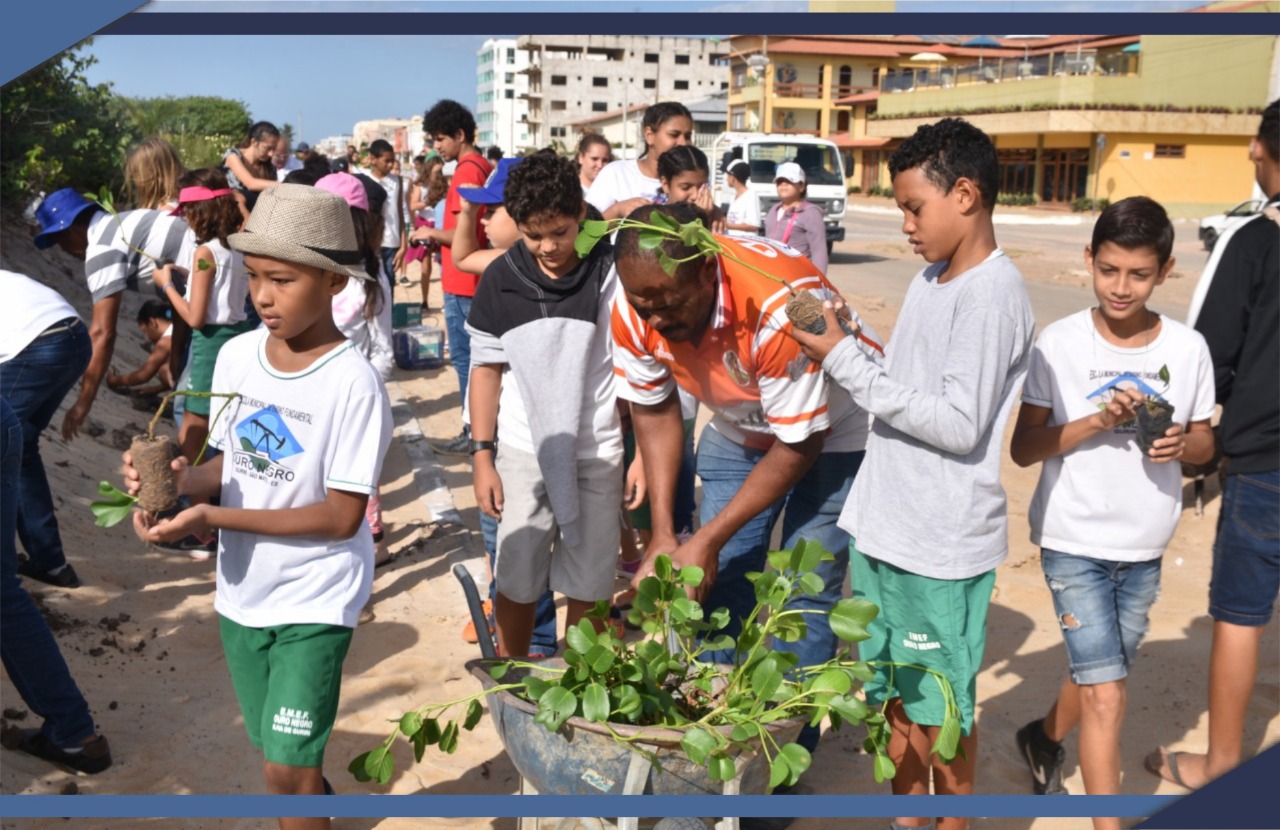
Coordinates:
[325,84]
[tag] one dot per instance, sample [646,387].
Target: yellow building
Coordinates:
[1072,117]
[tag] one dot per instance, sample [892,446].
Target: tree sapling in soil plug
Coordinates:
[152,456]
[1155,416]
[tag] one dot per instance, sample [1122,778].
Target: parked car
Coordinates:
[1212,227]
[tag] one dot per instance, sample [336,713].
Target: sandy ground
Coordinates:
[141,635]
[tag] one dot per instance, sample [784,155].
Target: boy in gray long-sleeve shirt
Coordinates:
[927,512]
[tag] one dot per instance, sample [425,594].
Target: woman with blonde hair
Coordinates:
[151,173]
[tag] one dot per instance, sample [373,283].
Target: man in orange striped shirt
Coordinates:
[782,440]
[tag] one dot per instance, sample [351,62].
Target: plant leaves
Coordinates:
[113,505]
[662,220]
[379,764]
[685,609]
[474,712]
[595,703]
[850,618]
[499,671]
[581,637]
[203,264]
[600,659]
[662,568]
[884,769]
[722,768]
[357,767]
[410,723]
[811,554]
[766,679]
[798,759]
[698,744]
[1164,374]
[948,738]
[449,737]
[557,705]
[811,583]
[691,575]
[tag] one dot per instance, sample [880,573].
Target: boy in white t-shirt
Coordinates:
[302,446]
[1104,510]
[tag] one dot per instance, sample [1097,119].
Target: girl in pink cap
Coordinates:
[213,300]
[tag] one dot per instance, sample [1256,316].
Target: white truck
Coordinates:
[763,152]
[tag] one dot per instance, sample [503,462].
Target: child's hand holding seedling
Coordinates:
[1171,447]
[1121,409]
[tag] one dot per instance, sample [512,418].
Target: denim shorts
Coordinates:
[1246,554]
[1102,608]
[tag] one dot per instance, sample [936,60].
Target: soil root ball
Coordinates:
[804,310]
[159,483]
[1154,420]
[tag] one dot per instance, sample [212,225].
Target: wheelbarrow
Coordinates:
[581,758]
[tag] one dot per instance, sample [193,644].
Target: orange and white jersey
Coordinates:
[746,369]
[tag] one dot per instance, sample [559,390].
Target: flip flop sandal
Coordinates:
[1152,764]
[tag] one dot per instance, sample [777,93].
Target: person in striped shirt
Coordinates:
[782,440]
[118,250]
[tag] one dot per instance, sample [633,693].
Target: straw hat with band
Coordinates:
[300,224]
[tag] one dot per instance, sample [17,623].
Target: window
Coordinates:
[650,83]
[846,75]
[682,60]
[559,80]
[599,81]
[509,77]
[724,84]
[599,106]
[1171,151]
[557,132]
[509,94]
[511,56]
[650,57]
[682,84]
[557,106]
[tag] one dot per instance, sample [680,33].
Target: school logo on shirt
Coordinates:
[733,365]
[265,440]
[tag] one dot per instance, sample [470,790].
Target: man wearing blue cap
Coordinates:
[118,251]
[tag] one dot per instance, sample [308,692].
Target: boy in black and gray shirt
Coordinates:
[542,380]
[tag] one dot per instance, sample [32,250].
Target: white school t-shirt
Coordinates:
[745,210]
[1104,499]
[288,439]
[621,180]
[28,309]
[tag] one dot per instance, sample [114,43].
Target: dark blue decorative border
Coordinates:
[506,806]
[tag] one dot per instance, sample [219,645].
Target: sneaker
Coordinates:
[63,578]
[192,545]
[469,630]
[1044,758]
[460,444]
[93,757]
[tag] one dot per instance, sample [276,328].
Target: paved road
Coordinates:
[866,262]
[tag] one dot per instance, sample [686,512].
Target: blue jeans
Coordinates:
[34,383]
[29,652]
[1246,552]
[1102,609]
[812,508]
[456,310]
[544,616]
[388,267]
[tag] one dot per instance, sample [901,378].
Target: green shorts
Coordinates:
[286,679]
[940,624]
[206,342]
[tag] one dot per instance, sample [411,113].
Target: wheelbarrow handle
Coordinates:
[487,648]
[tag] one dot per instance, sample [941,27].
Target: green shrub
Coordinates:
[1085,204]
[855,189]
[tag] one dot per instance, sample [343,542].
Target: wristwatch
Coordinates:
[480,446]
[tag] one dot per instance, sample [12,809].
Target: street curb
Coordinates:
[996,218]
[432,488]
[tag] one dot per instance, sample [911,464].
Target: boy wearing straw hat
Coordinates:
[302,445]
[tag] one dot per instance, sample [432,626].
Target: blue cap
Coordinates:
[491,193]
[56,213]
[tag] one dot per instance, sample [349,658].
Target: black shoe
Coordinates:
[460,444]
[1044,758]
[91,758]
[65,578]
[192,545]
